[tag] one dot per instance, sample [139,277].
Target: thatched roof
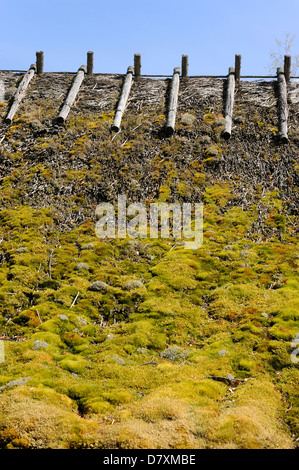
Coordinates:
[251,160]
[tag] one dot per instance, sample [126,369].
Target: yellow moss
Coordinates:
[41,416]
[157,408]
[98,406]
[73,363]
[178,274]
[134,361]
[209,118]
[183,189]
[164,193]
[251,422]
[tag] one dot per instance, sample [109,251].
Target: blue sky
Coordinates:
[210,32]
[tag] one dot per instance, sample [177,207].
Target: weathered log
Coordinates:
[282,106]
[173,101]
[89,63]
[39,62]
[229,379]
[72,94]
[123,99]
[137,65]
[185,66]
[238,59]
[229,103]
[287,67]
[19,95]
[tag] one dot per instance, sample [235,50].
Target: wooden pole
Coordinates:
[123,99]
[238,59]
[287,67]
[282,106]
[72,94]
[173,101]
[137,65]
[185,66]
[229,103]
[89,63]
[19,95]
[39,62]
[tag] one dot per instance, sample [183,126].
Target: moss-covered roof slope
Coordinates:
[140,342]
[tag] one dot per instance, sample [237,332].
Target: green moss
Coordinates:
[128,366]
[246,364]
[73,363]
[73,340]
[217,194]
[283,331]
[164,193]
[28,317]
[117,397]
[24,275]
[178,274]
[48,337]
[97,406]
